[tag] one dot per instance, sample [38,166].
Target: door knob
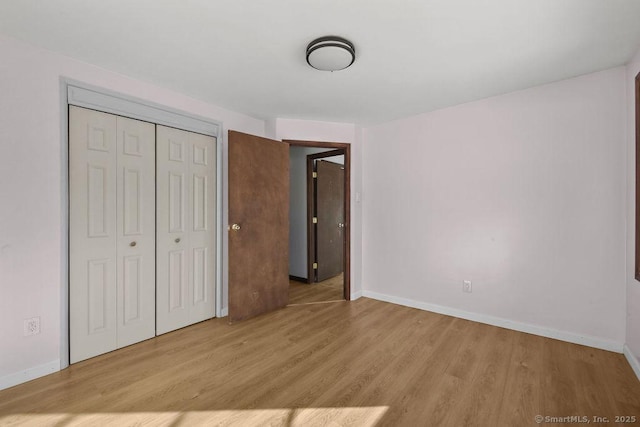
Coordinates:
[177,240]
[235,227]
[132,244]
[340,225]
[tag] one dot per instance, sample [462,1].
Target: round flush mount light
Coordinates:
[330,53]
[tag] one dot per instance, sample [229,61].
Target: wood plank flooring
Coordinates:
[360,363]
[308,293]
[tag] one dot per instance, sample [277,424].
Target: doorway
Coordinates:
[325,218]
[319,266]
[258,227]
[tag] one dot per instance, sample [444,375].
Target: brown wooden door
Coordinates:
[330,213]
[259,225]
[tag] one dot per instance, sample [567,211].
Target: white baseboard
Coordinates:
[29,374]
[224,312]
[355,295]
[501,322]
[632,359]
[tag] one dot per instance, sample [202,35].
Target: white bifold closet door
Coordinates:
[186,250]
[111,232]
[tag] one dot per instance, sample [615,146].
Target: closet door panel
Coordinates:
[186,194]
[92,233]
[136,231]
[173,221]
[202,234]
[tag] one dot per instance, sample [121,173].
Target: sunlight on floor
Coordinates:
[365,416]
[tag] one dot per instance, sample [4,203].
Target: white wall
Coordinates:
[30,193]
[307,130]
[632,351]
[523,194]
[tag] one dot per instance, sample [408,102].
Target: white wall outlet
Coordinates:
[31,326]
[466,286]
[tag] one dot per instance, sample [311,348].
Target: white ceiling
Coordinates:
[412,56]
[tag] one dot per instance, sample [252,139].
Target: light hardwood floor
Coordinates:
[346,363]
[308,293]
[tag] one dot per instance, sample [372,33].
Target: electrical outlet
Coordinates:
[466,286]
[31,326]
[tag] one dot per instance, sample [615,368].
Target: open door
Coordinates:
[330,225]
[258,225]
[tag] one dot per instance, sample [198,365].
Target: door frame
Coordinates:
[345,149]
[74,92]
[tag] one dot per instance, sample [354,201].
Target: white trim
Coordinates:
[64,226]
[224,287]
[219,222]
[632,359]
[355,295]
[29,374]
[87,96]
[501,322]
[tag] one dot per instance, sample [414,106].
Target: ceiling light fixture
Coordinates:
[330,53]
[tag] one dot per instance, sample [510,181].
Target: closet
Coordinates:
[141,230]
